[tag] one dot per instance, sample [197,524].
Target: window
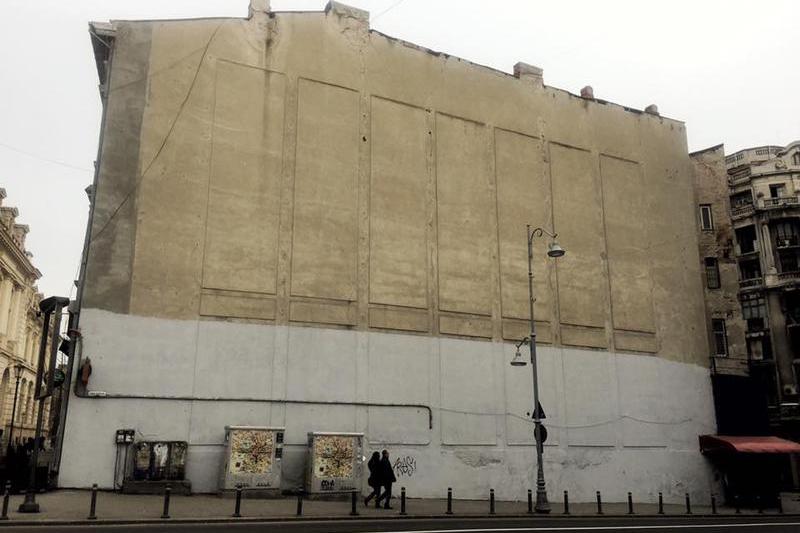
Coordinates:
[720,337]
[788,261]
[746,239]
[796,158]
[712,273]
[754,311]
[749,269]
[786,234]
[742,199]
[706,220]
[778,190]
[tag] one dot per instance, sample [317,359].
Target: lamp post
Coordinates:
[553,250]
[17,375]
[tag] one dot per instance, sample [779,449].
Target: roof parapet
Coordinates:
[345,11]
[529,74]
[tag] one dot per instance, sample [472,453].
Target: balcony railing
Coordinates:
[787,276]
[750,283]
[742,210]
[781,201]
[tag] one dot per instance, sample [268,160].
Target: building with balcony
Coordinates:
[753,219]
[20,329]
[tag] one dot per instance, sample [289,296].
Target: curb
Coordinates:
[396,517]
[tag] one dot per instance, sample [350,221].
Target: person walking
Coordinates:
[386,479]
[374,477]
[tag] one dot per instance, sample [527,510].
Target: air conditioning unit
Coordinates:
[790,390]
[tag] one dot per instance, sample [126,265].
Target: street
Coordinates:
[455,525]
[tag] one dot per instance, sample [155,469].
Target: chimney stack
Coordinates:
[529,73]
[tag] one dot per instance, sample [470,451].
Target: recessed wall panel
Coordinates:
[628,245]
[242,224]
[465,210]
[579,223]
[522,192]
[398,214]
[324,245]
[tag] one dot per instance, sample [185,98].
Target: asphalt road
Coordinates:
[454,525]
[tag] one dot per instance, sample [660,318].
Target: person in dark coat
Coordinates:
[374,477]
[386,479]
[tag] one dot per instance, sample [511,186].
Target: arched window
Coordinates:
[796,158]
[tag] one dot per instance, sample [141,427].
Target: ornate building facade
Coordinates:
[20,329]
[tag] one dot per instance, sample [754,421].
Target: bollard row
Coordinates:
[403,509]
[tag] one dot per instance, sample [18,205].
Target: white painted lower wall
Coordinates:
[616,422]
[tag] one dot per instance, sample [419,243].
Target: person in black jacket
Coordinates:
[386,479]
[374,477]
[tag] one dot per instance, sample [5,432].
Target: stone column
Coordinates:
[12,333]
[5,304]
[781,348]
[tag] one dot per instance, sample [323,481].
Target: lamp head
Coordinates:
[518,360]
[555,250]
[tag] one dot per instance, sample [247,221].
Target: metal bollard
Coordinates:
[165,514]
[736,504]
[491,501]
[566,502]
[299,503]
[780,505]
[238,507]
[688,504]
[759,505]
[6,497]
[599,504]
[449,501]
[660,503]
[402,500]
[530,501]
[353,500]
[713,504]
[630,503]
[92,505]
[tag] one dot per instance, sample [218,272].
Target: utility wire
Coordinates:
[382,13]
[164,141]
[40,158]
[580,426]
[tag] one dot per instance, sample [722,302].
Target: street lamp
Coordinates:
[17,375]
[554,250]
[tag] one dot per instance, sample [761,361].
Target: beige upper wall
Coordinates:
[298,167]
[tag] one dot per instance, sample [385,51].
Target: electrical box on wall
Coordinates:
[335,462]
[253,460]
[125,436]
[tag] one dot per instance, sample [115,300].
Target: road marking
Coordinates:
[595,528]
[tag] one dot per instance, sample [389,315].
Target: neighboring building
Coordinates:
[20,328]
[749,220]
[765,209]
[718,261]
[301,222]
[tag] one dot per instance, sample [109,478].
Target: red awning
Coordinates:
[720,443]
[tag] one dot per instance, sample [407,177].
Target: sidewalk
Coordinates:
[73,506]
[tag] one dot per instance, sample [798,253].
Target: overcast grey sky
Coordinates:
[730,69]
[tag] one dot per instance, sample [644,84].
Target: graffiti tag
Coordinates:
[405,466]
